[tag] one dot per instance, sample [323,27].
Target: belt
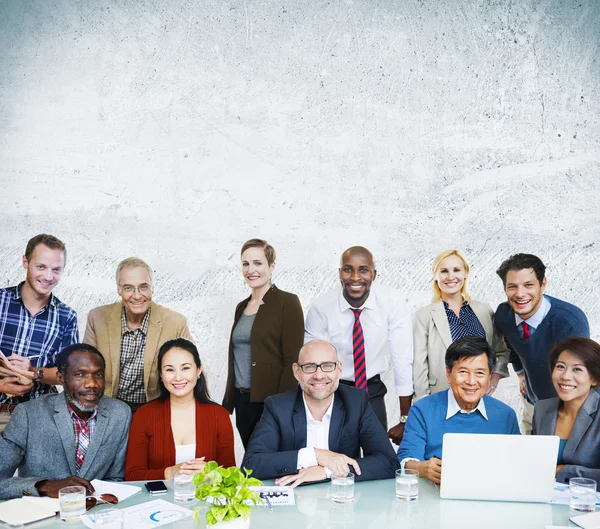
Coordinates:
[243,391]
[7,408]
[376,378]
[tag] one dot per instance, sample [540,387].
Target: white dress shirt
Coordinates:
[454,408]
[387,326]
[317,436]
[534,321]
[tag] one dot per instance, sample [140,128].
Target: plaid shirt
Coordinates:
[39,337]
[133,345]
[84,431]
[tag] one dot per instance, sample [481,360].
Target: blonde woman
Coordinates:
[452,315]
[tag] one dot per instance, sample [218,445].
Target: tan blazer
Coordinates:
[431,335]
[103,331]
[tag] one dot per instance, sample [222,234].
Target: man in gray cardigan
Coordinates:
[67,439]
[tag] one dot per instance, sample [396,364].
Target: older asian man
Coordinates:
[464,408]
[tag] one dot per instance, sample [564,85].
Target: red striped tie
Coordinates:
[358,346]
[526,332]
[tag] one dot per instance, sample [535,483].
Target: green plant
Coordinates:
[228,489]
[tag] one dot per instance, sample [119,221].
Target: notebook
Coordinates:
[498,467]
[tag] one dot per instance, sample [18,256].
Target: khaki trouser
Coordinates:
[4,418]
[527,417]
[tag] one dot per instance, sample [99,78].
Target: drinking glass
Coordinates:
[342,488]
[583,494]
[407,484]
[72,503]
[184,489]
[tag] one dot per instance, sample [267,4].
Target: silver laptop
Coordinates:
[498,467]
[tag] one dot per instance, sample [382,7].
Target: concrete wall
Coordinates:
[175,130]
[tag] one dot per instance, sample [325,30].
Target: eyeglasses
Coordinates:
[326,367]
[130,289]
[92,501]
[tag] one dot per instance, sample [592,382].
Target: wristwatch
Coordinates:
[39,374]
[403,419]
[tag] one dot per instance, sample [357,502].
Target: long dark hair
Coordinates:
[201,390]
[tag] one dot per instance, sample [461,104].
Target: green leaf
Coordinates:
[243,510]
[253,482]
[219,511]
[210,518]
[210,466]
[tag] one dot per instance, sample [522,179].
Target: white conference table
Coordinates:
[375,507]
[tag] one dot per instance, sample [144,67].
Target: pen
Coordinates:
[266,498]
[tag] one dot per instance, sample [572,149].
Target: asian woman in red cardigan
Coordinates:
[183,429]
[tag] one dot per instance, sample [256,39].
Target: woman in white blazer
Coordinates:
[452,315]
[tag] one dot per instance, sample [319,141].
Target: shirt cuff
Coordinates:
[406,460]
[501,369]
[306,458]
[519,371]
[405,391]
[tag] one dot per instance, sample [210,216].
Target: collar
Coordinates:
[77,417]
[369,304]
[143,328]
[454,408]
[309,416]
[16,295]
[464,303]
[537,318]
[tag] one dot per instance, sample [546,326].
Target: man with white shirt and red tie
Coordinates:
[532,323]
[364,322]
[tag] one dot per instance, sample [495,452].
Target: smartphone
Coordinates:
[156,487]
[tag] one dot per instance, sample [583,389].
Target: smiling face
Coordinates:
[136,280]
[451,275]
[571,378]
[318,386]
[469,380]
[83,381]
[524,291]
[357,273]
[44,269]
[179,373]
[255,267]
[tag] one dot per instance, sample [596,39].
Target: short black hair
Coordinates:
[521,261]
[468,347]
[201,393]
[587,350]
[62,361]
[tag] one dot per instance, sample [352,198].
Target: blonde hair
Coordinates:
[464,291]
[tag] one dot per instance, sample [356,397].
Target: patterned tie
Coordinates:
[358,346]
[82,446]
[526,333]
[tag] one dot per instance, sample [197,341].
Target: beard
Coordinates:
[73,401]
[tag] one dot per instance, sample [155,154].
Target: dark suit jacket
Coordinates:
[40,442]
[582,451]
[276,338]
[281,433]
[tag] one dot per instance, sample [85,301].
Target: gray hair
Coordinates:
[132,262]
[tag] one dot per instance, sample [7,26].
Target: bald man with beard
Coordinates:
[364,322]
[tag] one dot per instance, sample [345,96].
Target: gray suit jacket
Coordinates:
[431,335]
[40,442]
[582,451]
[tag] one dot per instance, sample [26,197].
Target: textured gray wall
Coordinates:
[175,130]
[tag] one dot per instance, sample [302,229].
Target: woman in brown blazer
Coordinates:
[267,334]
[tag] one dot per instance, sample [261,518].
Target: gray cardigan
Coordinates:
[40,442]
[582,451]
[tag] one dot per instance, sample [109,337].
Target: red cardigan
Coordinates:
[151,447]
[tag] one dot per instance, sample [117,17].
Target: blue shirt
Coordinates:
[427,424]
[39,337]
[465,325]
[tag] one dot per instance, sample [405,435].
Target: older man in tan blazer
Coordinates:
[129,334]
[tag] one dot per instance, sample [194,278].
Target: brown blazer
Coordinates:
[103,330]
[276,338]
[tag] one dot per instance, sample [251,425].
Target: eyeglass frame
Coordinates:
[147,286]
[106,498]
[317,366]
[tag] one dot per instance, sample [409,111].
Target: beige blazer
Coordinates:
[103,331]
[431,335]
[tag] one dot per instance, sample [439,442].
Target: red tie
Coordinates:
[526,333]
[358,347]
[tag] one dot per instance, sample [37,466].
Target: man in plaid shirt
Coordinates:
[34,324]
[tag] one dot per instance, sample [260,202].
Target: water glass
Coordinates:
[184,489]
[342,488]
[109,519]
[583,494]
[407,484]
[72,503]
